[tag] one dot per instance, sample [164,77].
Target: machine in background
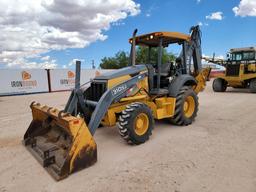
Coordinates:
[240,70]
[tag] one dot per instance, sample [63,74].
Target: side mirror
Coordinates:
[228,55]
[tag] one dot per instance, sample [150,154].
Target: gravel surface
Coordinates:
[216,153]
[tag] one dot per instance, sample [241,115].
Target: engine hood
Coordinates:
[121,72]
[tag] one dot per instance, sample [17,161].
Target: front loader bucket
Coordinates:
[61,142]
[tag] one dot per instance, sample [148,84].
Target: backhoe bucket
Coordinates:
[61,142]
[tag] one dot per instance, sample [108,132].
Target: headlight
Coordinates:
[132,91]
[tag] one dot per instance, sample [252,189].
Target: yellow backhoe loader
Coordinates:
[131,97]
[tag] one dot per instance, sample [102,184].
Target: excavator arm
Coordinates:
[192,54]
[201,79]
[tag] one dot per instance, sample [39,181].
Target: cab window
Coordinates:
[233,57]
[252,56]
[249,56]
[246,56]
[238,57]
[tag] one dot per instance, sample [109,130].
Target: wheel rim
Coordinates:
[141,124]
[189,106]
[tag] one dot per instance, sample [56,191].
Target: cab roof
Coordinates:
[152,39]
[244,49]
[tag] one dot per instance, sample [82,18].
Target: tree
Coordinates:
[142,55]
[122,59]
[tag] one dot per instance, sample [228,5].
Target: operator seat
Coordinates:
[152,78]
[165,69]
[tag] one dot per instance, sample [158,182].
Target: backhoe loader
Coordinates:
[131,97]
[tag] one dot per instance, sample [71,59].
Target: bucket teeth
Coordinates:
[52,112]
[61,142]
[62,114]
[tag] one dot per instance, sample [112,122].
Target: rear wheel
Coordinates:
[136,123]
[253,86]
[186,107]
[219,85]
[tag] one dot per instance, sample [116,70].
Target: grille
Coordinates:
[233,70]
[97,90]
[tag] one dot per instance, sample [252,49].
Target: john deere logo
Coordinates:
[70,80]
[26,82]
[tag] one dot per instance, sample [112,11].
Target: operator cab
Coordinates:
[242,54]
[160,73]
[238,56]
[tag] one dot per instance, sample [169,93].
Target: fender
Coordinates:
[177,83]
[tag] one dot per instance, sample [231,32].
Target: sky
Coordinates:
[54,33]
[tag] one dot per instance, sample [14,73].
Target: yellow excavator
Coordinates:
[131,97]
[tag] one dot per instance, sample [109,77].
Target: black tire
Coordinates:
[127,119]
[180,117]
[219,85]
[253,86]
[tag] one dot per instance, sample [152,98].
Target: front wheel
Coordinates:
[253,86]
[136,123]
[186,107]
[219,85]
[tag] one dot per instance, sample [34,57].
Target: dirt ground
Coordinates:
[216,153]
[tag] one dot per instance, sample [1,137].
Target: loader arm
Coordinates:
[112,95]
[61,140]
